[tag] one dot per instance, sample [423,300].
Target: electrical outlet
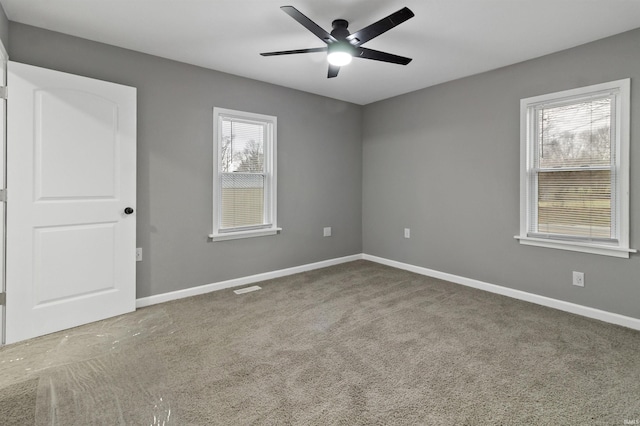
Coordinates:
[578,278]
[407,233]
[139,254]
[326,232]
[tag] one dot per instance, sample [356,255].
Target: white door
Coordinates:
[71,179]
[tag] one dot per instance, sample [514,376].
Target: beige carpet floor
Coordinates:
[358,343]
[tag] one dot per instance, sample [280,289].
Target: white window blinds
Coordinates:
[574,169]
[242,180]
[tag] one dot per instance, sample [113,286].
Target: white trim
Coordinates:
[561,305]
[4,58]
[208,288]
[592,248]
[622,88]
[236,235]
[270,172]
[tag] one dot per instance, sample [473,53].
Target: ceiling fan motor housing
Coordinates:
[340,33]
[340,30]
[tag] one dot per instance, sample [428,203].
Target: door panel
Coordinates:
[88,148]
[57,274]
[71,154]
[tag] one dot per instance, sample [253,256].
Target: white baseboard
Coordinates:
[573,308]
[585,311]
[208,288]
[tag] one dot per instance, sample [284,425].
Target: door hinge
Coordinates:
[3,195]
[4,92]
[3,299]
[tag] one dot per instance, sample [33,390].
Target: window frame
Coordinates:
[619,191]
[269,226]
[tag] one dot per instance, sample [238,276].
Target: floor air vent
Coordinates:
[247,289]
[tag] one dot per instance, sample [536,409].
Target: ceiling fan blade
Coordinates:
[292,52]
[382,26]
[308,24]
[333,71]
[376,55]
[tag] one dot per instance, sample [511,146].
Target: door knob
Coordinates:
[128,210]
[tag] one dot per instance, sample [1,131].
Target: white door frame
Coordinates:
[4,57]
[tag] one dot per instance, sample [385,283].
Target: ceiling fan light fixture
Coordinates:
[339,58]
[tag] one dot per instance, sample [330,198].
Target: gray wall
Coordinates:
[319,162]
[444,161]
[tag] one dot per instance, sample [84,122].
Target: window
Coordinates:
[244,175]
[574,172]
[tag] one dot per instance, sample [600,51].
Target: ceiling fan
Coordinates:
[342,46]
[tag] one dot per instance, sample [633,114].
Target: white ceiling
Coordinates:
[447,39]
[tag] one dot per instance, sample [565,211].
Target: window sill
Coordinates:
[244,234]
[600,249]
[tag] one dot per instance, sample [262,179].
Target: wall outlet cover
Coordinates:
[578,278]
